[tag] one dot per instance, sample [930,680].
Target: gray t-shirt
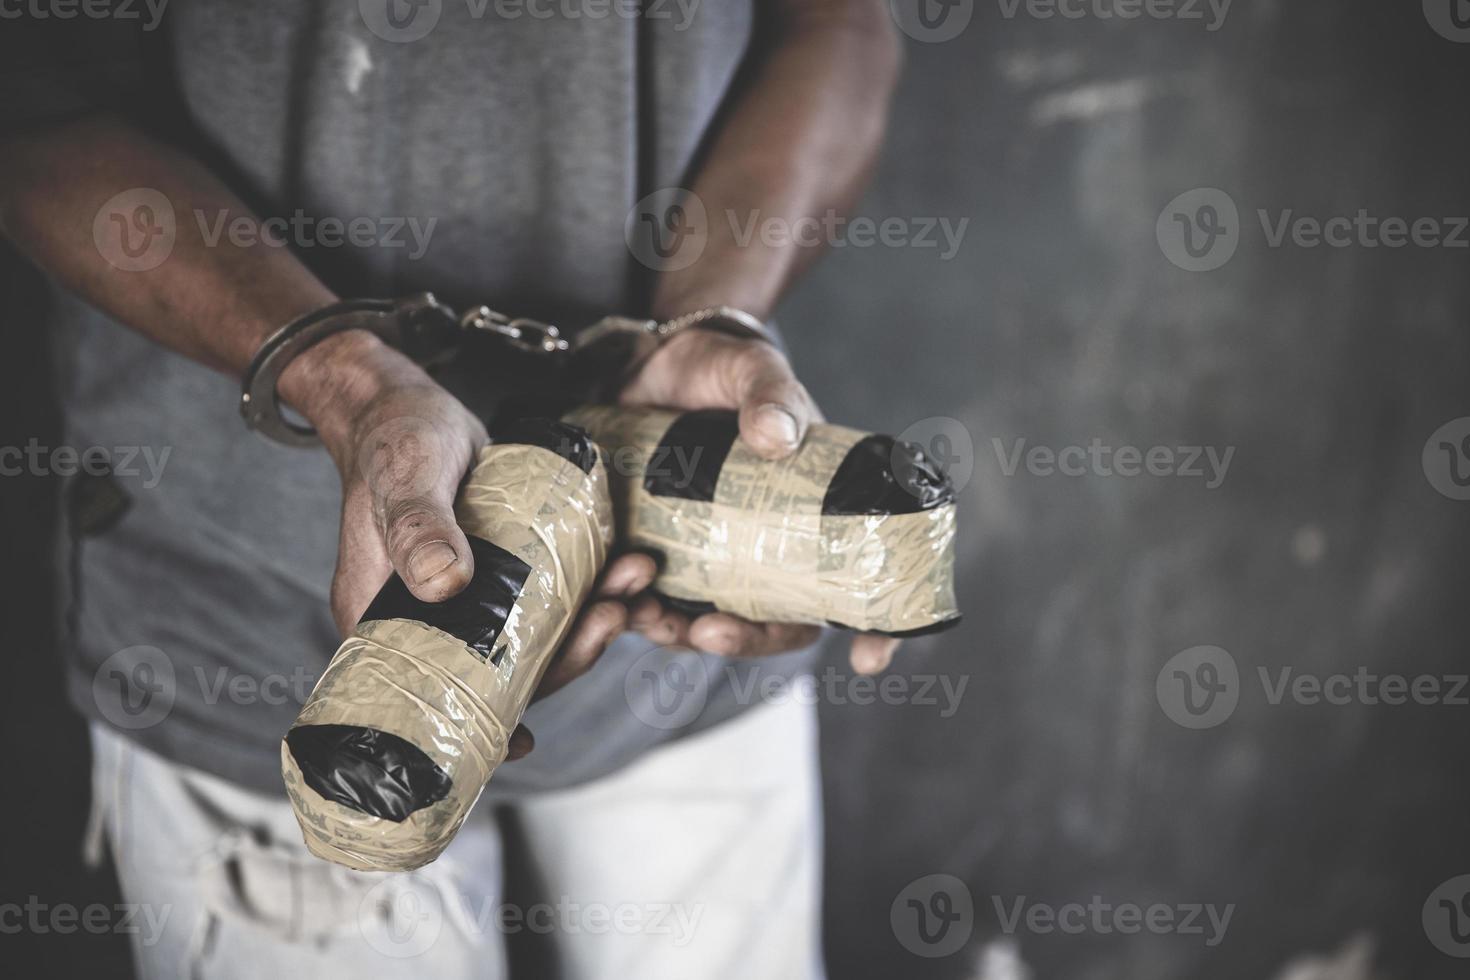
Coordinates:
[198,621]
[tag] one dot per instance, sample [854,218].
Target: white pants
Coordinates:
[700,860]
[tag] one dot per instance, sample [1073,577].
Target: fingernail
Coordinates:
[778,422]
[429,559]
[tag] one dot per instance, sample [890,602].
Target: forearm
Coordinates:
[214,301]
[797,146]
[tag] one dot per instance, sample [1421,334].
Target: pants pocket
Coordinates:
[279,888]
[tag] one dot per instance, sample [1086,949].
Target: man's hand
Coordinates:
[403,445]
[796,143]
[707,369]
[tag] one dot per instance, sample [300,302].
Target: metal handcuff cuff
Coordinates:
[597,361]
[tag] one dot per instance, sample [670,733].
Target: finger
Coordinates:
[644,613]
[872,653]
[626,575]
[732,636]
[362,562]
[426,546]
[599,625]
[660,624]
[520,744]
[775,409]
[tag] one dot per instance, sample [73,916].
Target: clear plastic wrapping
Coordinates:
[415,711]
[853,530]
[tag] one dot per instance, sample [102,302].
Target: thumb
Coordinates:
[427,548]
[775,409]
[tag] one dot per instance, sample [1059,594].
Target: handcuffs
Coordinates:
[597,361]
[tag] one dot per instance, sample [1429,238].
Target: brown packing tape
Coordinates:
[763,549]
[430,688]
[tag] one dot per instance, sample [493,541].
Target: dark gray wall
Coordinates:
[1325,548]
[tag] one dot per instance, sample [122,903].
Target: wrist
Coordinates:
[332,382]
[673,305]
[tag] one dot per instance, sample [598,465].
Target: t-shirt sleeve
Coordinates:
[53,69]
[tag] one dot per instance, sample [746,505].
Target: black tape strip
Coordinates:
[370,771]
[939,627]
[568,441]
[476,615]
[881,476]
[687,460]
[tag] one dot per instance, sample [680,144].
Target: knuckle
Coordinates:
[607,618]
[405,522]
[764,363]
[752,362]
[783,388]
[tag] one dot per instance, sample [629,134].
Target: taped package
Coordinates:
[853,530]
[415,711]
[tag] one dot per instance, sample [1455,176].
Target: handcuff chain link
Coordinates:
[522,333]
